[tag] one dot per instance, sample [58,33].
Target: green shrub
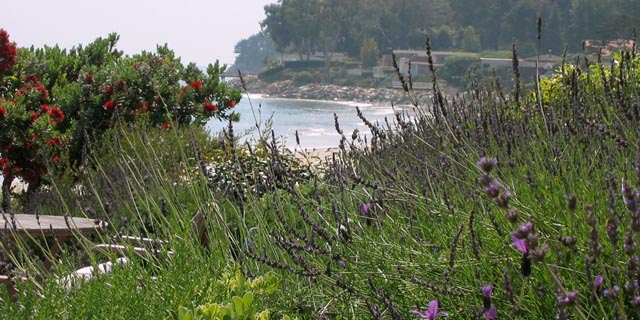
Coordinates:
[456,68]
[243,295]
[304,77]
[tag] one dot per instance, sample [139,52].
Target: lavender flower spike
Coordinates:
[431,313]
[364,209]
[490,314]
[486,296]
[486,164]
[520,244]
[487,291]
[597,283]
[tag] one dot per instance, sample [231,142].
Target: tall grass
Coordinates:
[480,201]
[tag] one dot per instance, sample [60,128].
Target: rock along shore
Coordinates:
[286,89]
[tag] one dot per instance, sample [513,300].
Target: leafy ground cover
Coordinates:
[496,203]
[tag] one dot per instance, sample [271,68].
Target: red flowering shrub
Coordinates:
[94,88]
[209,107]
[8,53]
[27,135]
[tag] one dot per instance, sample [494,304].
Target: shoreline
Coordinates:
[327,92]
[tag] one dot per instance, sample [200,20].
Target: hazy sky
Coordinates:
[199,31]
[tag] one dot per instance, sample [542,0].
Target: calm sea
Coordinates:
[312,119]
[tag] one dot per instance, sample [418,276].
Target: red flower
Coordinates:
[19,93]
[166,125]
[44,94]
[31,78]
[55,159]
[44,108]
[121,85]
[109,106]
[53,141]
[6,167]
[89,78]
[3,112]
[208,106]
[8,52]
[143,106]
[34,117]
[33,136]
[108,90]
[56,115]
[229,103]
[196,85]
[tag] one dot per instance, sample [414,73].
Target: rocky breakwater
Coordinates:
[286,89]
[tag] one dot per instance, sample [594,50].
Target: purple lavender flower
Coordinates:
[520,244]
[597,283]
[629,196]
[491,313]
[492,189]
[485,179]
[524,230]
[365,211]
[365,208]
[539,252]
[611,293]
[431,313]
[569,299]
[503,199]
[486,296]
[487,291]
[631,286]
[486,164]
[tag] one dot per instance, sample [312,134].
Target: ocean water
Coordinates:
[313,120]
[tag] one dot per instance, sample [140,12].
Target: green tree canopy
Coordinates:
[306,26]
[470,40]
[253,52]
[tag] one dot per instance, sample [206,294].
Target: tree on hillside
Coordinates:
[336,15]
[470,40]
[369,52]
[442,37]
[277,26]
[588,19]
[554,31]
[520,23]
[364,22]
[294,23]
[304,26]
[253,52]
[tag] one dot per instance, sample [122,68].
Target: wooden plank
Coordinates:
[45,225]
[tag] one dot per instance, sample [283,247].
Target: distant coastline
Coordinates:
[327,92]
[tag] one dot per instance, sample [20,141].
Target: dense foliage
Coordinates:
[319,25]
[254,53]
[55,102]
